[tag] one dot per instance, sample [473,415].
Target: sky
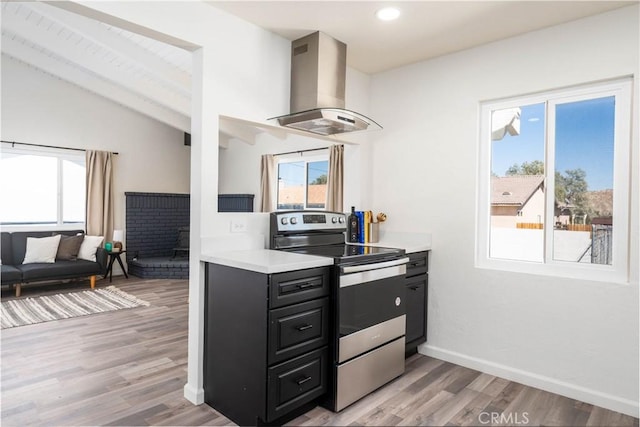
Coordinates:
[292,173]
[34,189]
[584,139]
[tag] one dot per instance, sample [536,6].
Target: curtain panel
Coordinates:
[335,180]
[100,194]
[268,180]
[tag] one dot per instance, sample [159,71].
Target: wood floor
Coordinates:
[128,368]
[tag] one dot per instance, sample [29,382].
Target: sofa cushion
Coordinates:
[10,274]
[58,270]
[90,245]
[19,241]
[69,247]
[41,249]
[5,249]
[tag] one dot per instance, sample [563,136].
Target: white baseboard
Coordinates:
[193,394]
[594,397]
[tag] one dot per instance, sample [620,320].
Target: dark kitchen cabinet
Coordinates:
[266,343]
[416,281]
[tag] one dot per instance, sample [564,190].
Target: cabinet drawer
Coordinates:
[296,382]
[297,286]
[418,264]
[299,328]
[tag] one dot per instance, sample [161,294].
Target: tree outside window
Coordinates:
[554,179]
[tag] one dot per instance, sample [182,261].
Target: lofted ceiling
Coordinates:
[154,78]
[147,76]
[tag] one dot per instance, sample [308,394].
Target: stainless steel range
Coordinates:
[368,301]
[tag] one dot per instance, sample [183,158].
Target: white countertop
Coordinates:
[266,261]
[410,242]
[271,261]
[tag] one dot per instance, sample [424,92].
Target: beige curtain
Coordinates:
[335,179]
[99,194]
[268,180]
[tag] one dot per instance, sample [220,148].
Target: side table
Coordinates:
[113,256]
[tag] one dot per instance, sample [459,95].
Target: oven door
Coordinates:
[371,307]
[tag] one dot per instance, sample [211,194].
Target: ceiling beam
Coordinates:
[41,37]
[99,34]
[94,13]
[247,134]
[100,87]
[223,140]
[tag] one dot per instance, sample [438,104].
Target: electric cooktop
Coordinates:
[346,253]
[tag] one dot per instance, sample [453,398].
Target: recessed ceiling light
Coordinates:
[388,13]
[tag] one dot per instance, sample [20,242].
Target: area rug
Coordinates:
[20,312]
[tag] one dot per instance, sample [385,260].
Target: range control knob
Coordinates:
[293,220]
[334,220]
[284,220]
[341,220]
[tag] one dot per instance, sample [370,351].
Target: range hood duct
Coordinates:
[318,74]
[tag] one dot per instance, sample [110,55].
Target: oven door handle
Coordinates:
[366,267]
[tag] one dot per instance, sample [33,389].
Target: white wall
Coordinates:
[575,337]
[239,164]
[38,108]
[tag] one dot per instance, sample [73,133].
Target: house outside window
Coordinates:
[302,183]
[553,189]
[42,187]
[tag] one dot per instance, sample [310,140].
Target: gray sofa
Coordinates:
[15,273]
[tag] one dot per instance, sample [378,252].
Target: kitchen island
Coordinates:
[268,338]
[274,261]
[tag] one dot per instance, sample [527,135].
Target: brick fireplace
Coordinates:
[153,221]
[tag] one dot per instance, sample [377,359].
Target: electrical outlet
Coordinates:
[238,226]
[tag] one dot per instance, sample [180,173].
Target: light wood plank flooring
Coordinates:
[128,368]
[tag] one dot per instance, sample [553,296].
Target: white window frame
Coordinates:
[60,154]
[618,271]
[306,159]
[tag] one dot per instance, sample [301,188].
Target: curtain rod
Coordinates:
[301,151]
[46,146]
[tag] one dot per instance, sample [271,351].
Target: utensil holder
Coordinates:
[374,232]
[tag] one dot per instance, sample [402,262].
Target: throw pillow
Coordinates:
[69,247]
[41,249]
[89,247]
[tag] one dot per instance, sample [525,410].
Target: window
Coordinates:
[302,184]
[41,186]
[554,183]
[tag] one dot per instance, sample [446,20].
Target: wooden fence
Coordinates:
[579,227]
[539,226]
[530,225]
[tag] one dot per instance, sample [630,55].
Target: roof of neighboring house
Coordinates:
[317,194]
[514,190]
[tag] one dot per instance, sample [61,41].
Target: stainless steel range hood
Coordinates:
[318,73]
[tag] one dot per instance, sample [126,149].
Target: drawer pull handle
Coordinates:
[305,285]
[414,288]
[304,328]
[304,380]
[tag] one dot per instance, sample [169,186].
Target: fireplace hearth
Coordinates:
[155,237]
